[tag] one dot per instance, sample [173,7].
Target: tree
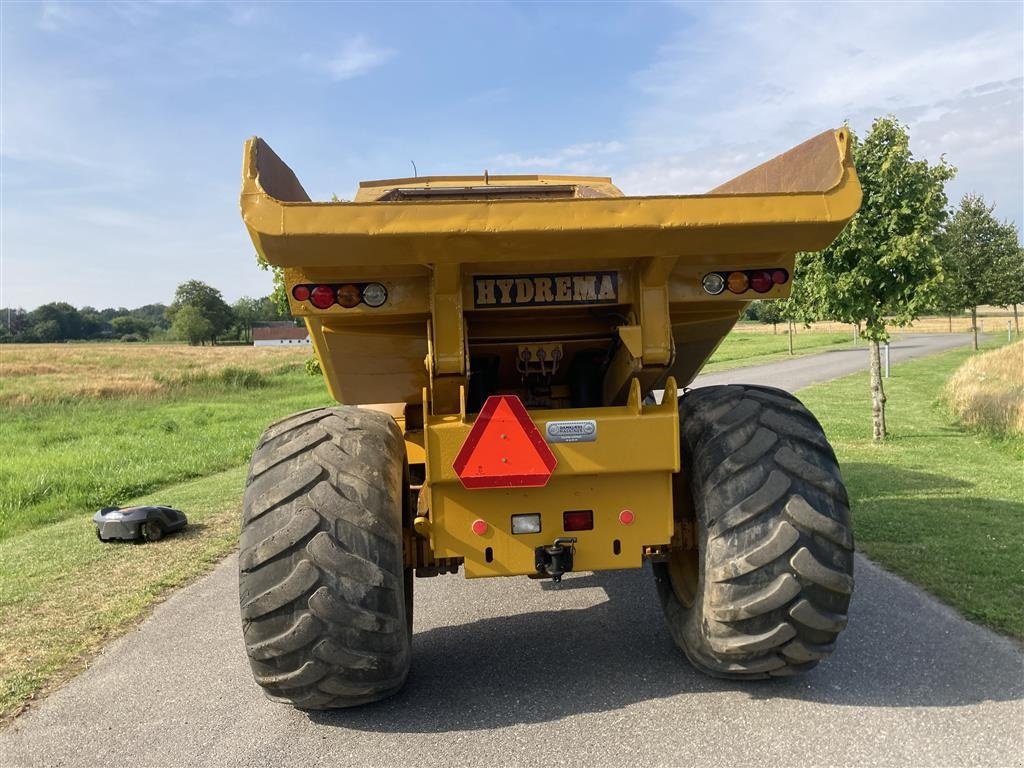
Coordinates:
[1009,267]
[130,325]
[279,296]
[975,249]
[191,325]
[247,311]
[770,312]
[207,301]
[15,321]
[884,265]
[56,321]
[154,314]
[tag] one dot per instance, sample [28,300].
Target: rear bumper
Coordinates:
[118,529]
[629,466]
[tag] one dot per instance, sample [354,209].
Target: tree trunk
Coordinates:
[950,323]
[877,393]
[791,337]
[775,328]
[974,326]
[1016,322]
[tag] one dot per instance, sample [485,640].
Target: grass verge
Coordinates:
[63,594]
[743,348]
[70,458]
[940,506]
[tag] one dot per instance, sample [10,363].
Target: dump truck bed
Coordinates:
[492,260]
[795,202]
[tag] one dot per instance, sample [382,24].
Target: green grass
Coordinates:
[63,594]
[936,504]
[741,348]
[66,459]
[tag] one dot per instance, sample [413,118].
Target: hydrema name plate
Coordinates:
[576,431]
[497,291]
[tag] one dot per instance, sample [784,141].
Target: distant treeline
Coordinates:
[208,318]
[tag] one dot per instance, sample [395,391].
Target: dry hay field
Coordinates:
[987,391]
[40,373]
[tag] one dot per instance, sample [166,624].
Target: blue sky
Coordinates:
[122,124]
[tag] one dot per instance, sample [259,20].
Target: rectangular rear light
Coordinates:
[578,520]
[525,523]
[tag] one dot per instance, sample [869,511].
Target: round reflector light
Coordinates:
[626,517]
[479,527]
[349,296]
[301,292]
[375,294]
[322,296]
[761,281]
[713,283]
[737,282]
[779,276]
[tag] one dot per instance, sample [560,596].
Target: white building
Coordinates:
[283,335]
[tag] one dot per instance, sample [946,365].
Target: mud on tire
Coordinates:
[773,573]
[325,601]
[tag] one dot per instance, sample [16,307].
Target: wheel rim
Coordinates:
[684,575]
[151,531]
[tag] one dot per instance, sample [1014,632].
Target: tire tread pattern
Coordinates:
[321,584]
[776,545]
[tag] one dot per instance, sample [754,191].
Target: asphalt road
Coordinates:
[803,371]
[517,672]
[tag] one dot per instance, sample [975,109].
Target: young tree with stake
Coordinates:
[978,254]
[883,265]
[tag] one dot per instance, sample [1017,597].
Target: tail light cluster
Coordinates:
[741,281]
[347,295]
[572,520]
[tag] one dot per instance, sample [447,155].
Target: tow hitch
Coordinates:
[556,558]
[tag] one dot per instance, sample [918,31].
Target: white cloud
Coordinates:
[577,158]
[57,16]
[357,57]
[757,80]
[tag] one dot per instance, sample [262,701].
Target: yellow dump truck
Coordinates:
[498,345]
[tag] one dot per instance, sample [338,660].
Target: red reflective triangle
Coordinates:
[504,449]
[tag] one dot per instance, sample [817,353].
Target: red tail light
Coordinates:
[578,520]
[761,281]
[322,296]
[301,292]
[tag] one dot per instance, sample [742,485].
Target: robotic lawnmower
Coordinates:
[137,523]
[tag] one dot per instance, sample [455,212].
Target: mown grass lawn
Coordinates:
[67,459]
[63,594]
[936,504]
[742,348]
[939,505]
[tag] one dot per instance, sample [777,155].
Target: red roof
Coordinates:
[275,332]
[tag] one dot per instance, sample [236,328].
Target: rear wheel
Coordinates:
[766,590]
[325,599]
[151,530]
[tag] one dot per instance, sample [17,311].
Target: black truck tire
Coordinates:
[325,599]
[767,591]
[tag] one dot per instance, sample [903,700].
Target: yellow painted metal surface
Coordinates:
[427,251]
[629,466]
[479,269]
[290,230]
